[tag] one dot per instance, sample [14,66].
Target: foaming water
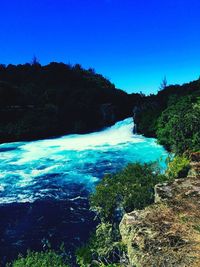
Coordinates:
[46,169]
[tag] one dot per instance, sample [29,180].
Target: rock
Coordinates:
[195,157]
[166,233]
[195,164]
[163,192]
[107,113]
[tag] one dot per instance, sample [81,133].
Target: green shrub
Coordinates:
[103,248]
[132,188]
[110,265]
[178,167]
[39,259]
[84,255]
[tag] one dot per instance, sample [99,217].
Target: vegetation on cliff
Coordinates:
[178,127]
[178,167]
[173,116]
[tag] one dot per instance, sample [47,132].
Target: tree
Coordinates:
[35,61]
[163,84]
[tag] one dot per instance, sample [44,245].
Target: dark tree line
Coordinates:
[44,101]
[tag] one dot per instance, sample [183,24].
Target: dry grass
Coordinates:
[174,242]
[168,235]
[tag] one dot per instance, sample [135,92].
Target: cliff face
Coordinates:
[167,233]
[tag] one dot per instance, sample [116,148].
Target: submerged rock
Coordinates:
[167,233]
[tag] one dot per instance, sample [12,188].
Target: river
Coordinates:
[44,184]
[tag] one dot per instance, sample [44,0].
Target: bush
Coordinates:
[103,249]
[132,188]
[178,167]
[39,259]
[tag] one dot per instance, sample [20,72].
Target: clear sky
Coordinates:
[134,43]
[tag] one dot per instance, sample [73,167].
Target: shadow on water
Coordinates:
[30,225]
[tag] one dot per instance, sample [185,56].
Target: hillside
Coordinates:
[44,101]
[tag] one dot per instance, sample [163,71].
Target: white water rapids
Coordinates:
[53,168]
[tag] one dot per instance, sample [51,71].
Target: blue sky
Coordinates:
[134,43]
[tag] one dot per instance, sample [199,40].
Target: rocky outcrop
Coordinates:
[108,113]
[195,164]
[167,233]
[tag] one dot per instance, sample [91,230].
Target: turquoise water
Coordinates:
[47,169]
[44,186]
